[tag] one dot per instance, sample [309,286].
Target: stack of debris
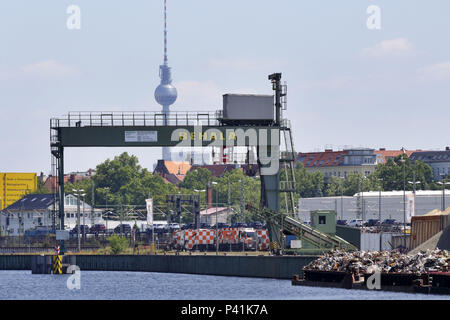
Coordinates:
[382,261]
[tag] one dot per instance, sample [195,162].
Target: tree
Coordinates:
[197,179]
[125,182]
[308,184]
[118,244]
[391,174]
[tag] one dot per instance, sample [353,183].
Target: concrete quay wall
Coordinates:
[277,267]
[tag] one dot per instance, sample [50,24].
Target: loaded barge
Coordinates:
[426,283]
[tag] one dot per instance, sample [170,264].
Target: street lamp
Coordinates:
[78,193]
[107,215]
[443,192]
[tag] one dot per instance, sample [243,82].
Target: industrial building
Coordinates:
[366,205]
[36,210]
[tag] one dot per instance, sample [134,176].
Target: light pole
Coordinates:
[414,182]
[443,192]
[78,193]
[84,220]
[402,160]
[342,197]
[106,198]
[217,223]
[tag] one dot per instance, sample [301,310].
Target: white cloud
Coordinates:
[435,72]
[49,69]
[389,48]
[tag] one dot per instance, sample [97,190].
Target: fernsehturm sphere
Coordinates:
[165,93]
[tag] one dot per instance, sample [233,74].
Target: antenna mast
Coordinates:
[165,32]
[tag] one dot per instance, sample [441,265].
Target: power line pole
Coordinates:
[242,200]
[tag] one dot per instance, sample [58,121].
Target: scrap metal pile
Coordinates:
[358,262]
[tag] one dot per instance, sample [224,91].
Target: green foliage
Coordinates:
[197,179]
[394,173]
[41,189]
[118,244]
[122,181]
[308,185]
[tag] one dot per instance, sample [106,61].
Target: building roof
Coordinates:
[172,171]
[172,178]
[386,154]
[400,193]
[210,211]
[33,202]
[322,159]
[43,202]
[431,156]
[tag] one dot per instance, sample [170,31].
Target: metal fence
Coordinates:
[135,118]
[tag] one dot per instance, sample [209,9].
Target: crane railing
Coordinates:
[301,230]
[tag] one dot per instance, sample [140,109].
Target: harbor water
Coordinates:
[101,285]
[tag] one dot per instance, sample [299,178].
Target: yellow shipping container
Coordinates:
[13,186]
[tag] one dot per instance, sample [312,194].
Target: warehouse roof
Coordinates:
[33,202]
[431,156]
[399,193]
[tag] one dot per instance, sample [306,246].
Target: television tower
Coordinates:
[165,93]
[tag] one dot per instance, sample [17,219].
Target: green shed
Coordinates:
[324,221]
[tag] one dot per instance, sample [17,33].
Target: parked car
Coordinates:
[389,222]
[239,225]
[83,229]
[204,226]
[355,223]
[123,228]
[160,228]
[174,227]
[222,225]
[98,228]
[39,231]
[372,223]
[342,222]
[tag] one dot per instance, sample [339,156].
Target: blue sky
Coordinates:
[347,85]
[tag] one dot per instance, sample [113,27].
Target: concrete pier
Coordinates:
[277,267]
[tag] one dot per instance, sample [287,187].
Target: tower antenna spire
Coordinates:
[165,32]
[165,93]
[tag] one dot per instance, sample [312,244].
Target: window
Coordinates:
[322,219]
